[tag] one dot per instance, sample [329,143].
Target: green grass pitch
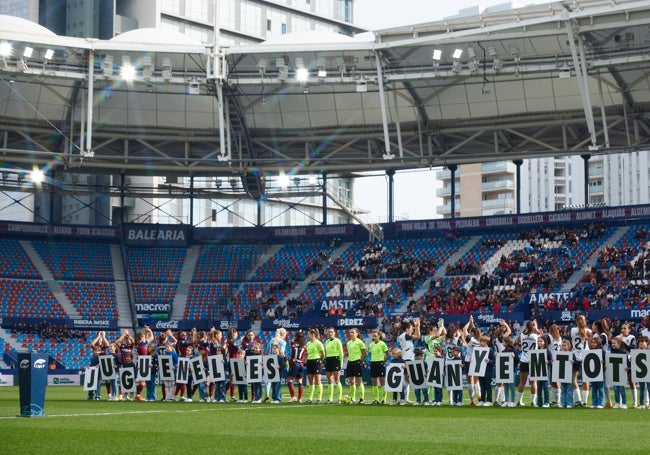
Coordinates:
[73,425]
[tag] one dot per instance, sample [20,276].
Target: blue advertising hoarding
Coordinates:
[32,382]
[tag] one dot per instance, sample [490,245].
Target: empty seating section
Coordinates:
[73,352]
[154,273]
[85,272]
[253,296]
[290,262]
[471,262]
[155,265]
[76,261]
[204,300]
[29,299]
[224,263]
[346,261]
[153,293]
[272,281]
[93,300]
[15,262]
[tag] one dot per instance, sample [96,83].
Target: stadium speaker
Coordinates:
[254,184]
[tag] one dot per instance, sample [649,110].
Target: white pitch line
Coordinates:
[153,411]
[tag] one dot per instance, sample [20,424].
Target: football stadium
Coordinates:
[183,268]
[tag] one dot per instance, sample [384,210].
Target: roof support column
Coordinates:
[224,155]
[602,112]
[122,198]
[398,126]
[391,195]
[324,193]
[586,158]
[382,105]
[87,150]
[518,163]
[580,65]
[191,220]
[453,168]
[627,123]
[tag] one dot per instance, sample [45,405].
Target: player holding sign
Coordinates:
[471,335]
[92,384]
[628,342]
[397,377]
[406,341]
[580,335]
[297,359]
[274,363]
[528,342]
[485,379]
[167,364]
[505,371]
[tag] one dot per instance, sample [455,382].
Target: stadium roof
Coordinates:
[550,80]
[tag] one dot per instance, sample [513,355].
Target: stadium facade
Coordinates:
[546,184]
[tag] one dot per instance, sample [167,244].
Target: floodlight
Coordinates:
[37,176]
[437,55]
[320,64]
[6,49]
[27,53]
[302,74]
[49,54]
[514,51]
[283,180]
[147,67]
[193,88]
[261,65]
[458,53]
[107,66]
[127,71]
[167,68]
